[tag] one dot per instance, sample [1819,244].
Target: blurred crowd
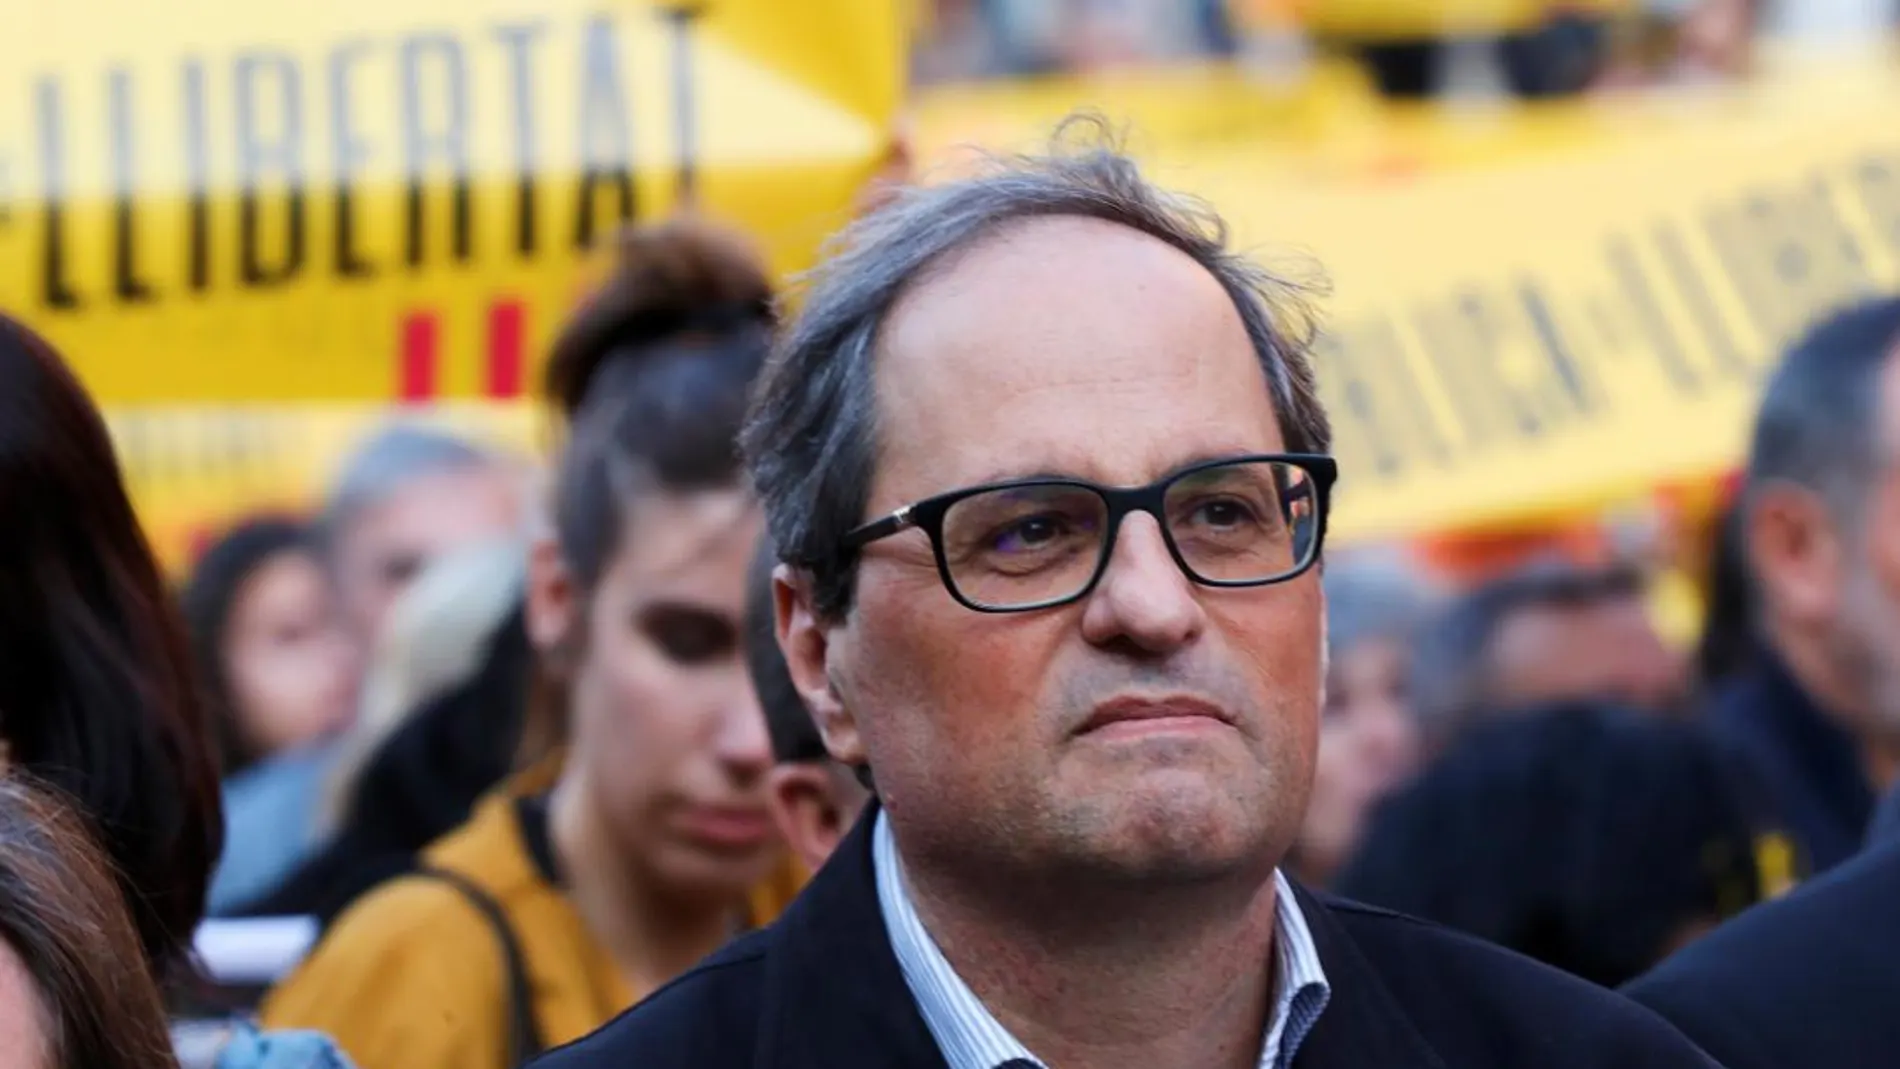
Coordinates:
[467,701]
[1414,48]
[518,741]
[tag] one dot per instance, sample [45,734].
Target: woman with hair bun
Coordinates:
[641,842]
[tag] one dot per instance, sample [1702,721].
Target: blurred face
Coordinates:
[1368,744]
[1716,36]
[667,737]
[1831,582]
[1868,631]
[1608,649]
[389,544]
[1156,729]
[291,669]
[24,1043]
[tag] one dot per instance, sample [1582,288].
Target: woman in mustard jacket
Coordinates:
[642,843]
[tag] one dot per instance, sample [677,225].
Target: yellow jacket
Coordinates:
[413,976]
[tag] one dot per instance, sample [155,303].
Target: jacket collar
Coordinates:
[1363,1025]
[1769,716]
[835,998]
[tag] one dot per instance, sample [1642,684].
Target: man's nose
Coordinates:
[1143,597]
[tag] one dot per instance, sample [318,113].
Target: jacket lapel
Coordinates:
[1363,1027]
[834,996]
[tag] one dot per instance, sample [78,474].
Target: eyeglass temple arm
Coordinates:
[901,520]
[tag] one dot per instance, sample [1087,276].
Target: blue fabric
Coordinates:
[269,814]
[251,1049]
[1803,982]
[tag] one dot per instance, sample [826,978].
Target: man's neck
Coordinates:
[1806,660]
[650,937]
[1135,978]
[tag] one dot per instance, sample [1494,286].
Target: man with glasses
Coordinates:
[1047,468]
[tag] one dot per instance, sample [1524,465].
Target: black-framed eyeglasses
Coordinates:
[1038,543]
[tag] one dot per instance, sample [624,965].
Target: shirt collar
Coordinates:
[972,1038]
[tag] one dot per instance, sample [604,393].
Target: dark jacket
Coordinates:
[1808,981]
[1886,823]
[1809,767]
[821,989]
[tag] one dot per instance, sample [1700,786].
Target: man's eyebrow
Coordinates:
[1212,455]
[1015,475]
[1008,475]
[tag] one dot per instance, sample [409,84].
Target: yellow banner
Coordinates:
[1553,335]
[194,471]
[375,200]
[1583,317]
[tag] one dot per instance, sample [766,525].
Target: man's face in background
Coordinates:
[386,544]
[1604,648]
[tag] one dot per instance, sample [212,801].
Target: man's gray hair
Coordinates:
[393,459]
[1373,598]
[810,439]
[1818,426]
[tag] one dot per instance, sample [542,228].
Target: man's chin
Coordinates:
[1186,830]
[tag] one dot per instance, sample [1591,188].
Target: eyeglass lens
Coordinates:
[1242,523]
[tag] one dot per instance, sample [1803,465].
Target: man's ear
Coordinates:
[1794,552]
[553,603]
[808,814]
[806,643]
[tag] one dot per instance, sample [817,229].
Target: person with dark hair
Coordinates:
[1727,645]
[270,654]
[1593,838]
[97,697]
[1045,465]
[76,989]
[405,497]
[1816,711]
[280,674]
[1807,980]
[644,841]
[1548,632]
[815,800]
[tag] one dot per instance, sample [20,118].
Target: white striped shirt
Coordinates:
[972,1038]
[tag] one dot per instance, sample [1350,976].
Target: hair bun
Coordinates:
[684,276]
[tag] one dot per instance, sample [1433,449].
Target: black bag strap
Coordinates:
[524,1032]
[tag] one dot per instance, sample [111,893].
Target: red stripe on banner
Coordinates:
[505,348]
[420,335]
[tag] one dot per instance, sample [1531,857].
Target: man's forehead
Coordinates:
[1072,345]
[1061,257]
[1030,299]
